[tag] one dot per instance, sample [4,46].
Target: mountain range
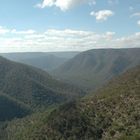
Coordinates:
[88,70]
[111,113]
[37,105]
[44,60]
[92,69]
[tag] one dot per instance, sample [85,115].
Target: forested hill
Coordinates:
[11,108]
[91,69]
[112,113]
[33,86]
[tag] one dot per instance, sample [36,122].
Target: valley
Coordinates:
[35,104]
[110,113]
[92,69]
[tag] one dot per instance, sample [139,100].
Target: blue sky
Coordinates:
[63,25]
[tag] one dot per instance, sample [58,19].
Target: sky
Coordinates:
[68,25]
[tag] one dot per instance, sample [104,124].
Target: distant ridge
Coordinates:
[44,60]
[91,69]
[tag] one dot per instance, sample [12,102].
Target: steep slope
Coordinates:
[44,60]
[32,86]
[113,113]
[93,68]
[11,108]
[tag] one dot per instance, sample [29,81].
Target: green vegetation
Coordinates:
[10,108]
[32,86]
[112,113]
[93,68]
[35,106]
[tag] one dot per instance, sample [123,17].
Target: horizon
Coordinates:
[68,51]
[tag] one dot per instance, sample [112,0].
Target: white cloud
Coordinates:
[131,8]
[64,4]
[135,14]
[3,30]
[110,35]
[67,4]
[102,15]
[64,40]
[138,22]
[30,31]
[93,2]
[113,2]
[46,3]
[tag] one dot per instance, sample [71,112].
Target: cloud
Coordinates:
[93,2]
[64,40]
[138,22]
[3,30]
[64,4]
[46,3]
[30,31]
[102,15]
[131,8]
[135,14]
[113,2]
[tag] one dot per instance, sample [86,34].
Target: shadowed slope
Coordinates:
[33,86]
[11,108]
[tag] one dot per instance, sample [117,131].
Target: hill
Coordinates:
[33,86]
[44,60]
[113,113]
[11,108]
[93,68]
